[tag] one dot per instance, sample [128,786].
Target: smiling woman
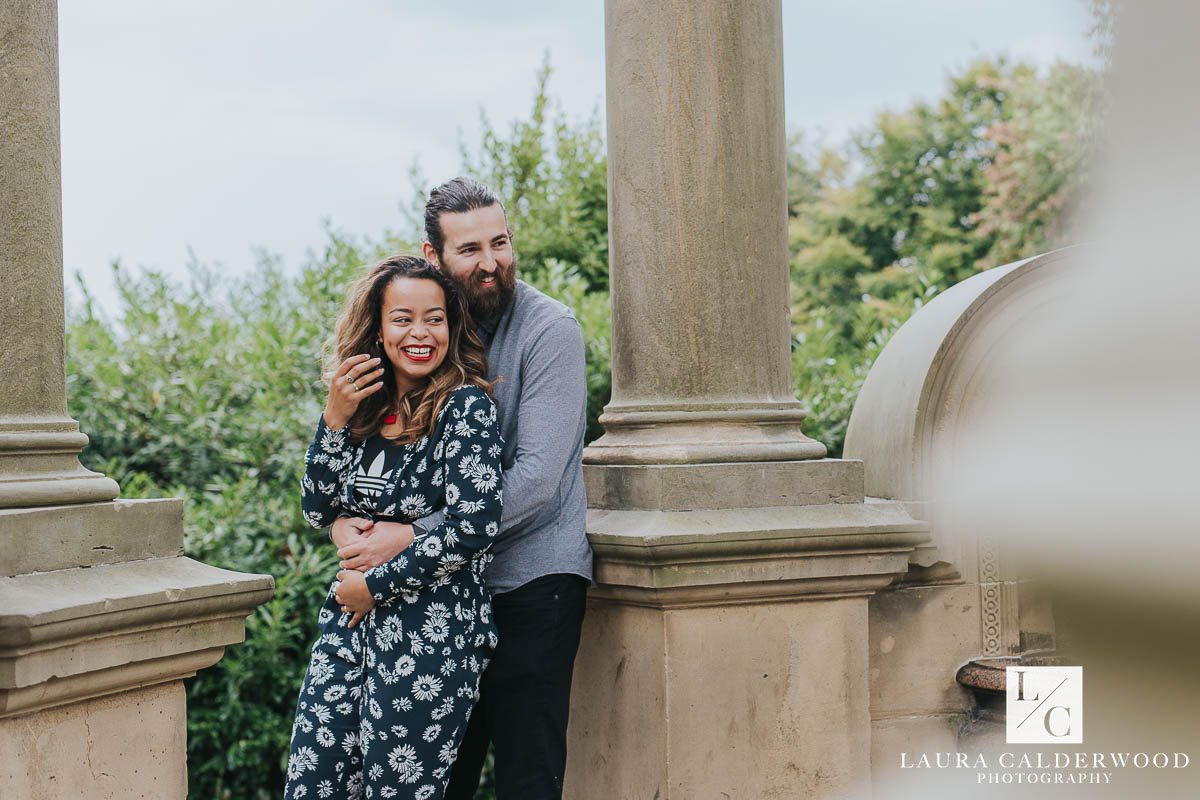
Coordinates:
[409,428]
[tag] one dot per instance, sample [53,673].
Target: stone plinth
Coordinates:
[117,747]
[98,640]
[725,650]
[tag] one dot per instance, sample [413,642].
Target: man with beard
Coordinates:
[543,563]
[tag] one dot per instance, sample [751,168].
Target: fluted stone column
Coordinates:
[101,615]
[725,647]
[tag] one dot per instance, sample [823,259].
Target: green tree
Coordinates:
[922,199]
[553,177]
[551,173]
[1040,170]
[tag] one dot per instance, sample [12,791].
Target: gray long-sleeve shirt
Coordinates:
[535,348]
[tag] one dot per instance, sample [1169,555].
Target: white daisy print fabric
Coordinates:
[384,705]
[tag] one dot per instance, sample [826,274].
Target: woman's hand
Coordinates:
[380,544]
[356,378]
[353,595]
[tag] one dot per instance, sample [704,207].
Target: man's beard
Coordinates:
[487,302]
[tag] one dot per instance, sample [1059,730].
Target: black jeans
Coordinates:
[525,693]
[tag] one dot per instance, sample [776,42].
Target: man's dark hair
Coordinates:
[455,196]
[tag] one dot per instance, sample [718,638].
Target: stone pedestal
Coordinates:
[725,649]
[95,643]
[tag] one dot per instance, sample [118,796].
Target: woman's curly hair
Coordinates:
[358,330]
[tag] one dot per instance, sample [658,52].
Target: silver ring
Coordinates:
[349,379]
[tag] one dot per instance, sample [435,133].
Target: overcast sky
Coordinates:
[227,126]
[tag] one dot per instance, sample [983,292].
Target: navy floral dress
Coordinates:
[384,705]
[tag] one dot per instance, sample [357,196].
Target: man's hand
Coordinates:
[384,541]
[353,595]
[347,530]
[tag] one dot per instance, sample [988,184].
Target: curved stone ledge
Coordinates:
[913,400]
[72,634]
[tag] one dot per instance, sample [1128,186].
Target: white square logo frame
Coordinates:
[1044,705]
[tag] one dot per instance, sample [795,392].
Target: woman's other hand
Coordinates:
[356,378]
[381,544]
[353,595]
[346,530]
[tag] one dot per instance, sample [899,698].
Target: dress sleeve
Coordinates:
[469,454]
[326,467]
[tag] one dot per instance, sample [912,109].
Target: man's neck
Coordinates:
[489,322]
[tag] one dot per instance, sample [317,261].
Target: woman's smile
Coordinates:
[420,353]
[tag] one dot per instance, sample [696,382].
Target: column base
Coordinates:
[702,434]
[89,534]
[721,701]
[39,465]
[101,616]
[739,484]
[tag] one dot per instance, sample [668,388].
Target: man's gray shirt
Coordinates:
[535,350]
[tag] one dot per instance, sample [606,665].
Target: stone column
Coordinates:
[725,649]
[101,615]
[701,362]
[39,442]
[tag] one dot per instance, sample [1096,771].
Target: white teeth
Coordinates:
[418,351]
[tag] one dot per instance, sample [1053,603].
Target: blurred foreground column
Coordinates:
[725,648]
[101,616]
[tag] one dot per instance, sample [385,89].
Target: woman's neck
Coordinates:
[404,385]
